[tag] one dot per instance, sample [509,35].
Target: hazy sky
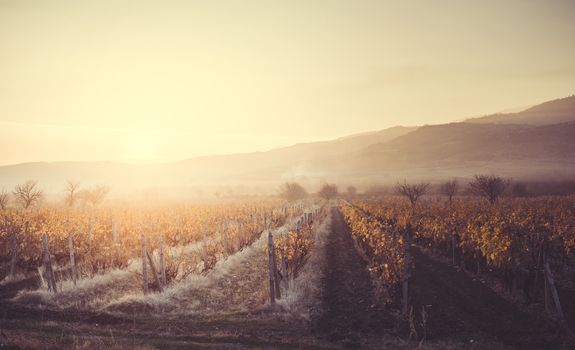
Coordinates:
[165,80]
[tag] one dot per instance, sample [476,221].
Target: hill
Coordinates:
[552,112]
[538,142]
[461,142]
[257,169]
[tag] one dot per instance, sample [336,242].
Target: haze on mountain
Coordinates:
[184,96]
[537,143]
[161,81]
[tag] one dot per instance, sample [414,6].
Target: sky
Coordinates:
[159,81]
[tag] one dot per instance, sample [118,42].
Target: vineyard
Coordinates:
[127,251]
[525,246]
[305,273]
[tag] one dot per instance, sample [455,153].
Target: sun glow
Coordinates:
[142,148]
[229,77]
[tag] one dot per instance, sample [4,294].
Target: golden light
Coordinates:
[142,148]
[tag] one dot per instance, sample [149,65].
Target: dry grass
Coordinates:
[17,278]
[303,298]
[237,283]
[88,294]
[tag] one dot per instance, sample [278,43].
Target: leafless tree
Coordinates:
[351,191]
[489,186]
[71,192]
[292,191]
[449,189]
[4,199]
[94,196]
[412,191]
[328,191]
[27,195]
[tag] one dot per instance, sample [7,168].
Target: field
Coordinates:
[337,275]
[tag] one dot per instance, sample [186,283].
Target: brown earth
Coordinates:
[350,312]
[460,307]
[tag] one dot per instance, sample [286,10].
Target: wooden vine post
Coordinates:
[538,267]
[285,279]
[116,239]
[162,263]
[154,272]
[276,274]
[406,265]
[271,267]
[48,265]
[546,285]
[550,283]
[144,265]
[14,254]
[72,258]
[453,243]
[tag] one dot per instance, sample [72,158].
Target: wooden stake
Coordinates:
[153,266]
[144,265]
[48,265]
[549,277]
[537,269]
[162,264]
[453,249]
[546,285]
[276,275]
[284,270]
[14,254]
[406,264]
[271,267]
[72,258]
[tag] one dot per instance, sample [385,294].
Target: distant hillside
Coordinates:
[261,168]
[538,142]
[461,142]
[341,145]
[463,149]
[552,112]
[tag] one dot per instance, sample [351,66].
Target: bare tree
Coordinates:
[489,186]
[94,196]
[328,191]
[27,195]
[449,189]
[412,191]
[4,197]
[351,191]
[71,192]
[292,191]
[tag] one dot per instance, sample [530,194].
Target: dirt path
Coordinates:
[460,307]
[348,308]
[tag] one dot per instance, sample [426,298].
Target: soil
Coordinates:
[458,306]
[350,312]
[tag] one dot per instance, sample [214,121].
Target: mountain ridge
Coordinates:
[537,146]
[556,111]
